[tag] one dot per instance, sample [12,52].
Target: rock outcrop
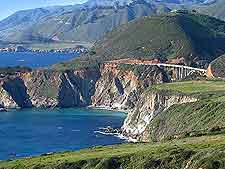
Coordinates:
[150,104]
[120,87]
[45,88]
[6,100]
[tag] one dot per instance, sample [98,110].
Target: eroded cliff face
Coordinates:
[150,104]
[120,88]
[6,100]
[45,88]
[13,93]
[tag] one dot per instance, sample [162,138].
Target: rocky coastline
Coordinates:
[112,88]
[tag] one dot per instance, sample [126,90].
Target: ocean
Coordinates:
[32,132]
[32,59]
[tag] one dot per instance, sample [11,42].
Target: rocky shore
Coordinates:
[114,88]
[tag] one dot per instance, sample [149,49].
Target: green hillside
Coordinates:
[203,117]
[193,87]
[195,130]
[198,38]
[193,153]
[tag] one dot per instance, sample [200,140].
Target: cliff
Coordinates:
[177,110]
[113,86]
[120,86]
[149,106]
[46,88]
[141,91]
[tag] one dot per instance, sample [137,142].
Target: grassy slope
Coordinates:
[193,87]
[205,116]
[205,152]
[168,36]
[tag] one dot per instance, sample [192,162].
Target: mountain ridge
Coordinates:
[197,38]
[79,20]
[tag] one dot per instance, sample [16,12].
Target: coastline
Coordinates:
[119,135]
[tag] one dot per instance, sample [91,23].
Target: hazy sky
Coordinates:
[7,7]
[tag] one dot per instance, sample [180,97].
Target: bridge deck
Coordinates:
[176,66]
[158,64]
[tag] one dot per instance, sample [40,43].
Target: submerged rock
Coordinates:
[110,130]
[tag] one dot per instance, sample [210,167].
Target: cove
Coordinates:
[31,132]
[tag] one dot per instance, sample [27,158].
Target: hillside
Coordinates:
[192,119]
[192,153]
[177,110]
[198,39]
[216,9]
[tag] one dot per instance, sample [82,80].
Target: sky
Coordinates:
[8,7]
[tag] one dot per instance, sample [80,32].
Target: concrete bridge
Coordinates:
[176,71]
[179,71]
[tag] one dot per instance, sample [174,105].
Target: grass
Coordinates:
[189,119]
[174,154]
[198,127]
[193,87]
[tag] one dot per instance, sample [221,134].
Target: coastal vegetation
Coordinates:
[187,135]
[203,117]
[195,152]
[164,37]
[196,87]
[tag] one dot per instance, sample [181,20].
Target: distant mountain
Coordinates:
[86,22]
[214,8]
[198,39]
